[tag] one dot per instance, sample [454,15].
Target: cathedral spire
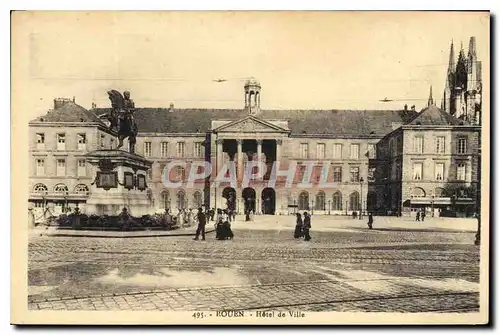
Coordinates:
[472,49]
[451,61]
[430,102]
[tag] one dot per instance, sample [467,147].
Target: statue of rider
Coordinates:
[128,106]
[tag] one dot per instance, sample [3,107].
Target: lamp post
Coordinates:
[294,206]
[346,207]
[329,202]
[66,201]
[361,180]
[432,205]
[312,207]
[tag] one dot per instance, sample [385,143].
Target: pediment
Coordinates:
[251,124]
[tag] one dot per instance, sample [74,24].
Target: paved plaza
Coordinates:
[401,266]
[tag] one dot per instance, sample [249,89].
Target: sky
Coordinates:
[303,60]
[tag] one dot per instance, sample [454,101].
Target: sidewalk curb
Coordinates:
[124,236]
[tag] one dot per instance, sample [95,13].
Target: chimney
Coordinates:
[59,102]
[171,108]
[406,107]
[413,108]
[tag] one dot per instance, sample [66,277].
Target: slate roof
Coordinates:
[434,116]
[69,112]
[338,122]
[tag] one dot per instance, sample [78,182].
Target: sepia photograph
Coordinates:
[245,167]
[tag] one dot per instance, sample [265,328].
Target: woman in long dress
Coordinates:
[298,227]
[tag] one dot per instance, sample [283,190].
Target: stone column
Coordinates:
[219,155]
[259,150]
[240,160]
[278,149]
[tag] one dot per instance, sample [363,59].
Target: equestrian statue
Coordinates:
[121,118]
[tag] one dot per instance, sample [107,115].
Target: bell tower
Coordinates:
[252,96]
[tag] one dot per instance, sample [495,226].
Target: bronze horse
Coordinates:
[121,117]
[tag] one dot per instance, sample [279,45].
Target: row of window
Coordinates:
[418,171]
[81,141]
[439,145]
[61,189]
[61,165]
[335,204]
[181,200]
[354,152]
[179,149]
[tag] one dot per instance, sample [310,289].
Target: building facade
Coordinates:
[330,161]
[59,176]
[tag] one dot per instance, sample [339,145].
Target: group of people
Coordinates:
[222,225]
[421,215]
[303,226]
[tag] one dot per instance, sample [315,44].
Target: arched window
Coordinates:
[165,200]
[320,201]
[40,188]
[181,200]
[60,188]
[197,199]
[354,204]
[81,189]
[440,192]
[304,201]
[418,192]
[337,201]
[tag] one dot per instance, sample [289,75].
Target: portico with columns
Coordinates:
[247,140]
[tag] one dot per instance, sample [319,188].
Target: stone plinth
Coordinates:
[111,200]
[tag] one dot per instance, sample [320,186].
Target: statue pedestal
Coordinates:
[120,182]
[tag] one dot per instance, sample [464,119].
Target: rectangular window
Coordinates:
[61,168]
[354,174]
[40,141]
[354,151]
[337,174]
[40,167]
[103,141]
[417,171]
[418,145]
[82,141]
[371,151]
[164,149]
[371,175]
[198,149]
[150,174]
[337,151]
[461,171]
[82,168]
[180,173]
[147,149]
[61,141]
[462,145]
[320,151]
[440,144]
[304,150]
[180,149]
[439,170]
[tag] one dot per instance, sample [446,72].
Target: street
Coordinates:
[347,268]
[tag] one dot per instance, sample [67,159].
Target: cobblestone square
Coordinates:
[342,269]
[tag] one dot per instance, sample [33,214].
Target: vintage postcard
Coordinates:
[250,167]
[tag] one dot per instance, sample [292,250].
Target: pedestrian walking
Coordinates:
[307,226]
[418,216]
[370,220]
[298,226]
[212,214]
[202,221]
[423,215]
